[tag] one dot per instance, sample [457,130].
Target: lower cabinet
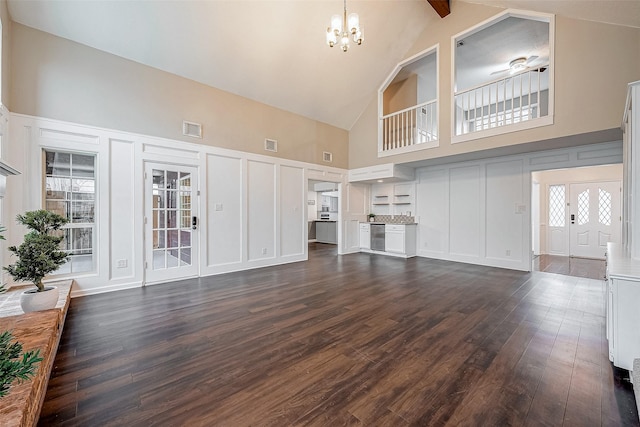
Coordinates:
[623,318]
[400,239]
[326,232]
[365,236]
[622,307]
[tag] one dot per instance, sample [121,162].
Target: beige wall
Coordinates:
[57,78]
[593,64]
[6,54]
[401,95]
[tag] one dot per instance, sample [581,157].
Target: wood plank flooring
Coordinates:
[342,340]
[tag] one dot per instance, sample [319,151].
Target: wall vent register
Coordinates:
[271,145]
[192,129]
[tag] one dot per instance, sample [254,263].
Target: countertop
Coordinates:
[621,265]
[389,223]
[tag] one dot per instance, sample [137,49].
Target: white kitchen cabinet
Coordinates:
[394,238]
[365,236]
[400,239]
[623,307]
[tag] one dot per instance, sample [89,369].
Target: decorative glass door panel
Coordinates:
[595,218]
[171,246]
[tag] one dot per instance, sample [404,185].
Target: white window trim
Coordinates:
[94,238]
[418,56]
[529,124]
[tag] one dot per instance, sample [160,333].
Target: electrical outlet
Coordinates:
[121,263]
[508,252]
[264,251]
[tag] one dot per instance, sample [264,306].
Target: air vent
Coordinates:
[271,145]
[192,129]
[327,157]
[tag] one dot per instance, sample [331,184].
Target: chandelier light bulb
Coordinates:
[354,22]
[336,24]
[358,37]
[345,41]
[331,37]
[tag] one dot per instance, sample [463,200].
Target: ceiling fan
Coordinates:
[520,64]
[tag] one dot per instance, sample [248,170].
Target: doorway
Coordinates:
[171,224]
[575,212]
[323,201]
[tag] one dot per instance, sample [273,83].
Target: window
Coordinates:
[503,76]
[556,206]
[604,207]
[583,207]
[70,189]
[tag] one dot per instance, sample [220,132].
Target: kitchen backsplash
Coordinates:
[395,219]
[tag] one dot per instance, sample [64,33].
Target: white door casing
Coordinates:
[171,238]
[594,219]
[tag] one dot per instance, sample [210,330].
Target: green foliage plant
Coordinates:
[40,252]
[15,365]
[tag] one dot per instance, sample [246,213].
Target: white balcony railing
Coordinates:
[410,127]
[509,100]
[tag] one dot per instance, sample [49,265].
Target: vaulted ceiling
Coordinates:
[272,51]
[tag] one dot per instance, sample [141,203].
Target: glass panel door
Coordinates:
[171,234]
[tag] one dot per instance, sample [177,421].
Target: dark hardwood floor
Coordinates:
[342,340]
[579,267]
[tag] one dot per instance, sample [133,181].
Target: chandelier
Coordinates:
[342,27]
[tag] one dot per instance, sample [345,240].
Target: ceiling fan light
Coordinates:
[517,64]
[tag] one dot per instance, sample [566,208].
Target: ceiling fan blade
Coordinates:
[499,72]
[539,69]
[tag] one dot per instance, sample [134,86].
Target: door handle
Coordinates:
[194,222]
[573,219]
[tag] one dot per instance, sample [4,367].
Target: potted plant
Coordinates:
[38,256]
[371,217]
[15,365]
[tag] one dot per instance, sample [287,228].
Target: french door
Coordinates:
[594,218]
[171,226]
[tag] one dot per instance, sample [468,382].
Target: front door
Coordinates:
[171,227]
[594,218]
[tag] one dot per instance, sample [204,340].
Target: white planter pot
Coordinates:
[32,300]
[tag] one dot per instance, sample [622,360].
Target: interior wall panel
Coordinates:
[292,213]
[224,210]
[432,204]
[261,204]
[464,210]
[505,210]
[122,208]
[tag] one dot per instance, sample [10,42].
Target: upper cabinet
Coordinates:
[503,76]
[382,173]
